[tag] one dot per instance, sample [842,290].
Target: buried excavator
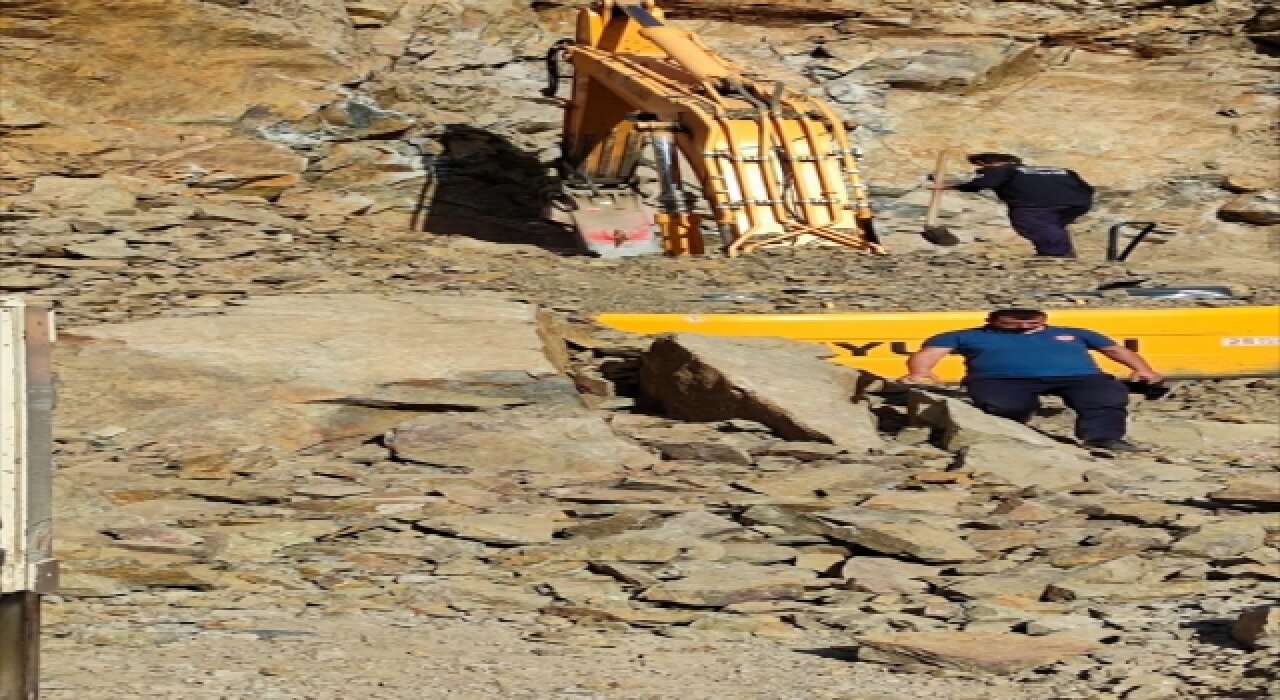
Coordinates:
[775,167]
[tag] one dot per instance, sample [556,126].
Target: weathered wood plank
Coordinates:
[19,646]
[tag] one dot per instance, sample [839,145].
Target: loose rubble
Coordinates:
[334,420]
[1005,554]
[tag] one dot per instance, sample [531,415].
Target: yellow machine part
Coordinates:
[1179,343]
[776,166]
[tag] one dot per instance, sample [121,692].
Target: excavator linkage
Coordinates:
[775,167]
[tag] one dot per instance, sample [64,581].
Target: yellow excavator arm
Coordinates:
[776,166]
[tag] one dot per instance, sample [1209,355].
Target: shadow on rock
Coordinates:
[486,188]
[849,653]
[1216,632]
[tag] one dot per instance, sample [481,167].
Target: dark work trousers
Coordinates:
[1047,228]
[1099,401]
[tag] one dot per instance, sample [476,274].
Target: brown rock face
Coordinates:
[787,388]
[173,61]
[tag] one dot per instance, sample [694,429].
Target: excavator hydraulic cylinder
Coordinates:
[681,227]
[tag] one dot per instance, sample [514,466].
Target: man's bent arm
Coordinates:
[1141,370]
[920,364]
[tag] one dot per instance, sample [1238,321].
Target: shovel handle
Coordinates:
[939,172]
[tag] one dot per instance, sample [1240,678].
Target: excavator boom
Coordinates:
[775,166]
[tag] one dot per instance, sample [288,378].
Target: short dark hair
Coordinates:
[992,158]
[1017,314]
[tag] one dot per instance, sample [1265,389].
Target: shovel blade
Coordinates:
[940,235]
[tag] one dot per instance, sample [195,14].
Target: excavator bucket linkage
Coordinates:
[775,167]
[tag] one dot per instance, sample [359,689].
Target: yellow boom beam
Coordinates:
[1180,343]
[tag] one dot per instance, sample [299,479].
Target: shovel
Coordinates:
[935,234]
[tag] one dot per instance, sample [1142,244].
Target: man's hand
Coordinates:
[920,365]
[1142,372]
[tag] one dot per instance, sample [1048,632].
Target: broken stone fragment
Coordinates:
[1066,591]
[1221,540]
[332,490]
[99,194]
[885,575]
[968,651]
[645,616]
[698,524]
[1258,208]
[222,465]
[1083,626]
[1124,569]
[225,212]
[428,398]
[82,584]
[1261,491]
[645,546]
[472,593]
[764,553]
[704,452]
[963,425]
[194,577]
[495,528]
[1025,584]
[782,385]
[801,450]
[836,482]
[151,538]
[819,558]
[528,439]
[1022,465]
[611,525]
[705,584]
[916,540]
[12,282]
[939,502]
[625,573]
[104,249]
[1258,628]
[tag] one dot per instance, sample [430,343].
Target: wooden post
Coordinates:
[27,567]
[19,646]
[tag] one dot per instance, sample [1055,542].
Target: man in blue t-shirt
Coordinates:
[1017,357]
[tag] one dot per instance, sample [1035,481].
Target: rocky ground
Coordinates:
[513,542]
[315,442]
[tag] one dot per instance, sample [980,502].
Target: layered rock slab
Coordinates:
[962,425]
[527,439]
[968,651]
[277,369]
[783,385]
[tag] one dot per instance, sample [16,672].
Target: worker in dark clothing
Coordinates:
[1042,201]
[1017,357]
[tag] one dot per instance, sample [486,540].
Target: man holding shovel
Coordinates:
[1042,201]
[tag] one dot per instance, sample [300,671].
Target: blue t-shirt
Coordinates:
[1054,351]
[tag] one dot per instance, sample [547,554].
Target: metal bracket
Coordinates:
[1114,254]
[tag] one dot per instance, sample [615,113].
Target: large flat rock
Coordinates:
[783,385]
[968,651]
[290,371]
